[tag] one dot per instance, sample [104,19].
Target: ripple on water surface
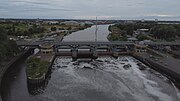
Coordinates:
[106,79]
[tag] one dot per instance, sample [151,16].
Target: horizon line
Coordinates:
[19,18]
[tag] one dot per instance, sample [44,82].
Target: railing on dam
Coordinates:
[94,48]
[36,43]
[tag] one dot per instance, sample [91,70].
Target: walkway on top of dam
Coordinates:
[36,43]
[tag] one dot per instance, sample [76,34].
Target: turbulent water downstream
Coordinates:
[109,80]
[105,79]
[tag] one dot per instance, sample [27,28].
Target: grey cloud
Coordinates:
[114,9]
[32,2]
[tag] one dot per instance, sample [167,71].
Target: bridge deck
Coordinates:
[36,43]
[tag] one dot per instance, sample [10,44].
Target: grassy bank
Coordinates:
[36,67]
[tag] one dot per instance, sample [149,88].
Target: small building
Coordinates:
[141,31]
[156,20]
[142,20]
[88,22]
[129,22]
[132,39]
[51,22]
[74,23]
[85,23]
[140,48]
[46,48]
[144,42]
[82,24]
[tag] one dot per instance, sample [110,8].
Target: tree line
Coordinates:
[15,29]
[159,31]
[8,48]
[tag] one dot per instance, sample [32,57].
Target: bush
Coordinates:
[8,48]
[142,37]
[53,28]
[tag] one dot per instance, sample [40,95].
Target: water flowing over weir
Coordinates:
[107,79]
[104,79]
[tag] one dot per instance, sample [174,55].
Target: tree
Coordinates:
[129,29]
[3,35]
[69,28]
[2,52]
[40,35]
[163,32]
[30,30]
[10,32]
[142,37]
[177,27]
[53,28]
[109,28]
[7,47]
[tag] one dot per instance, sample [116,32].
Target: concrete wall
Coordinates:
[161,68]
[36,81]
[41,79]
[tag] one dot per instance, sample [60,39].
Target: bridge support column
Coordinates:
[126,48]
[74,54]
[91,49]
[56,49]
[114,52]
[95,53]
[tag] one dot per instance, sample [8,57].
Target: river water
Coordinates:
[108,79]
[89,34]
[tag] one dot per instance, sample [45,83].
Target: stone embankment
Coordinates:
[43,57]
[161,62]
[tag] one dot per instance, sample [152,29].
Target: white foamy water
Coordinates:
[109,80]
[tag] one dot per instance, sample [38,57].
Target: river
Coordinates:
[109,79]
[89,34]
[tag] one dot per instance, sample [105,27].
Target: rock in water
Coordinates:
[126,67]
[87,67]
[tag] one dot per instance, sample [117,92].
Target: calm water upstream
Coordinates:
[89,34]
[109,79]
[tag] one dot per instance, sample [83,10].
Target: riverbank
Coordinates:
[15,59]
[176,54]
[158,61]
[165,64]
[11,63]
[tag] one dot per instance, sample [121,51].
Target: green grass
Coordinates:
[36,67]
[115,37]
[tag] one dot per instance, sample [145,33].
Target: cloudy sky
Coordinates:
[88,9]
